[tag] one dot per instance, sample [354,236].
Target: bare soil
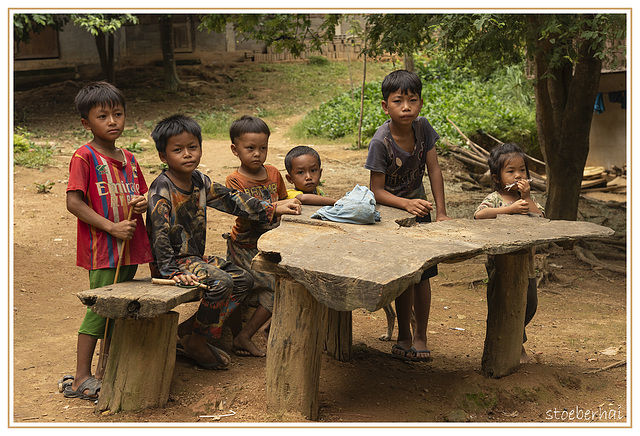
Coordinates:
[580,328]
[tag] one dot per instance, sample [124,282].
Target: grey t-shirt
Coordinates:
[404,171]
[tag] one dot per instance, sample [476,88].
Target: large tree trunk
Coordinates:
[565,97]
[171,80]
[104,44]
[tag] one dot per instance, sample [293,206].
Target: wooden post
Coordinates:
[140,367]
[296,341]
[506,301]
[339,335]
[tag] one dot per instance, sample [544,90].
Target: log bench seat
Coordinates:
[142,354]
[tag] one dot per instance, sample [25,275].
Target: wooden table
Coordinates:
[326,269]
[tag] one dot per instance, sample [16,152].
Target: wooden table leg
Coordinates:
[140,367]
[296,341]
[506,303]
[339,335]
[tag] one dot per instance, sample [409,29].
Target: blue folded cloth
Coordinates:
[358,206]
[598,107]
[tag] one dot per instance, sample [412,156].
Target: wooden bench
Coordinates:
[142,354]
[326,269]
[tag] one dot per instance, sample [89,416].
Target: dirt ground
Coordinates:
[579,331]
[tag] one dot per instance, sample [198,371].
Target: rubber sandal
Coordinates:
[403,352]
[90,384]
[412,354]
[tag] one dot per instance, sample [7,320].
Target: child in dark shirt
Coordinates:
[176,223]
[399,152]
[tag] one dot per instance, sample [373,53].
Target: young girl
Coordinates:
[512,195]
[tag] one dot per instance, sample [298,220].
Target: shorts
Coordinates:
[93,324]
[264,283]
[433,270]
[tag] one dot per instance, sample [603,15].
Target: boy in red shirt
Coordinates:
[105,182]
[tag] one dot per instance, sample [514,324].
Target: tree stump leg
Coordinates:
[506,301]
[296,341]
[140,366]
[339,335]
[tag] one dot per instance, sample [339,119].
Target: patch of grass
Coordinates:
[134,148]
[27,153]
[292,88]
[480,401]
[497,106]
[216,124]
[318,60]
[44,188]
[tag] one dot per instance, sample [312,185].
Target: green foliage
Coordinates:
[216,123]
[27,153]
[25,24]
[398,33]
[501,106]
[44,188]
[318,60]
[294,33]
[103,23]
[134,148]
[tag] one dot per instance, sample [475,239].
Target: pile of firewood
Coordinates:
[594,179]
[599,179]
[475,158]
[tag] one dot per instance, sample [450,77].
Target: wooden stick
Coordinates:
[481,151]
[102,358]
[613,365]
[171,282]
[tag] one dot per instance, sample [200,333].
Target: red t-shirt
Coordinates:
[246,233]
[108,185]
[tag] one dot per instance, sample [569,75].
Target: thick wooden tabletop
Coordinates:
[350,266]
[137,299]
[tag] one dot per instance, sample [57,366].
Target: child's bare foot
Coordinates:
[401,348]
[196,348]
[419,351]
[264,331]
[246,347]
[524,357]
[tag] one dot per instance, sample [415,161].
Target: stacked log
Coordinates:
[595,179]
[476,158]
[599,179]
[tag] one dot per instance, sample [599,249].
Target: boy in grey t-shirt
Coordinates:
[399,152]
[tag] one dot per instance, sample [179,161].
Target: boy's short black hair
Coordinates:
[98,93]
[172,126]
[247,124]
[499,155]
[403,80]
[295,152]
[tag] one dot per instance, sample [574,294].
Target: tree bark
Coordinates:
[298,329]
[171,80]
[565,96]
[105,54]
[506,304]
[339,335]
[141,363]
